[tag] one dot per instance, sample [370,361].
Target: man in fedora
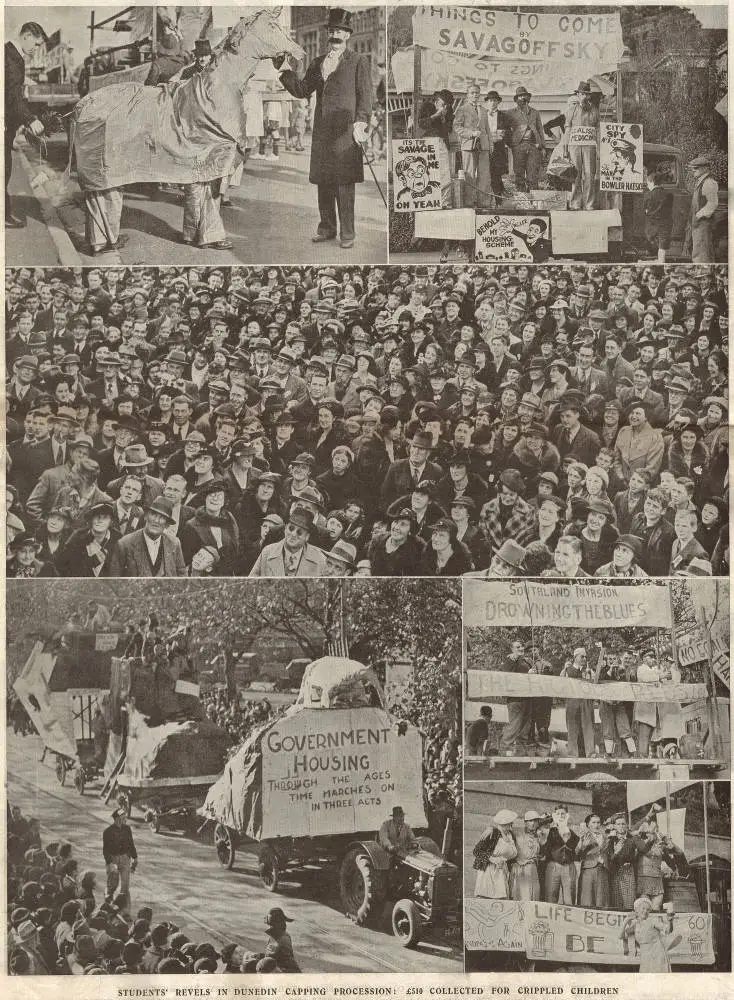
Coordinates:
[526,141]
[137,462]
[405,474]
[705,201]
[342,81]
[120,855]
[150,551]
[341,559]
[293,556]
[28,41]
[53,480]
[582,147]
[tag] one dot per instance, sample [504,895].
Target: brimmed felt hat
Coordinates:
[600,506]
[522,92]
[301,518]
[512,553]
[343,552]
[25,538]
[136,457]
[422,439]
[161,506]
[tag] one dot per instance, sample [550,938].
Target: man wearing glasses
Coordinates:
[17,112]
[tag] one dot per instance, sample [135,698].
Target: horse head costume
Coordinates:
[181,133]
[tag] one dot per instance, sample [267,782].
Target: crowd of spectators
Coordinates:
[60,923]
[385,421]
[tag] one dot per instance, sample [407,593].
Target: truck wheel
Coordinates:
[224,845]
[60,770]
[361,887]
[406,923]
[269,868]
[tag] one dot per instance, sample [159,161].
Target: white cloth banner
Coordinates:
[565,605]
[555,933]
[440,69]
[583,39]
[643,793]
[487,684]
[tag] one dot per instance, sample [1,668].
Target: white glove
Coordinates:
[36,127]
[360,132]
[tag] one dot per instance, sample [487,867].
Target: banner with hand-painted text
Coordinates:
[547,52]
[620,157]
[551,932]
[565,605]
[487,684]
[420,169]
[339,770]
[517,238]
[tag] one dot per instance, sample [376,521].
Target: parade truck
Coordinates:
[162,753]
[311,789]
[64,680]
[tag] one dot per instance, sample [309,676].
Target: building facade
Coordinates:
[308,25]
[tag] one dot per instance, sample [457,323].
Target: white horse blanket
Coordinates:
[128,134]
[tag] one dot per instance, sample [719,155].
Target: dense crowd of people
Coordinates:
[628,729]
[384,421]
[601,864]
[61,923]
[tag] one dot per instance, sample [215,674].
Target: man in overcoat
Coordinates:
[17,111]
[343,85]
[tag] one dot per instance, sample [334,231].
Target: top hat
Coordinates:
[339,18]
[202,47]
[584,87]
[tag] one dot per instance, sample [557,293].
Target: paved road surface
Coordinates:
[32,245]
[271,220]
[180,878]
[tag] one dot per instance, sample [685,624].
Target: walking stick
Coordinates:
[374,178]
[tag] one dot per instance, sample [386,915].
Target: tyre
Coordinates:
[79,781]
[61,770]
[224,846]
[269,867]
[361,887]
[406,923]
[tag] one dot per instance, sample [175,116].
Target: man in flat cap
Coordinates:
[120,855]
[704,203]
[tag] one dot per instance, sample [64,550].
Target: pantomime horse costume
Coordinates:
[179,133]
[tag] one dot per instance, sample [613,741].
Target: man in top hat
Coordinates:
[120,855]
[28,41]
[150,551]
[395,836]
[581,143]
[202,221]
[293,556]
[343,86]
[526,140]
[704,203]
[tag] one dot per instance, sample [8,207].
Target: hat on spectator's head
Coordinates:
[512,553]
[598,505]
[422,439]
[346,361]
[343,552]
[633,542]
[136,457]
[460,457]
[389,416]
[536,429]
[702,160]
[512,479]
[425,486]
[161,506]
[301,518]
[522,92]
[303,458]
[696,567]
[533,401]
[64,415]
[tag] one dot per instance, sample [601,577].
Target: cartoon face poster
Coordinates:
[620,157]
[417,174]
